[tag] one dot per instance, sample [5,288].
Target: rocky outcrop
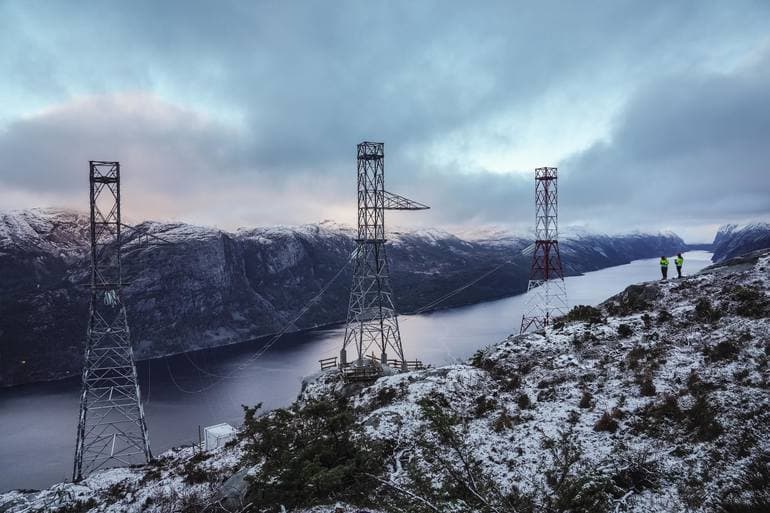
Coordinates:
[210,287]
[733,240]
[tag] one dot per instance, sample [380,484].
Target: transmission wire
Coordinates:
[262,350]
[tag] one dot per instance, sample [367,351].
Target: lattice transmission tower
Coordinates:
[546,293]
[111,428]
[372,321]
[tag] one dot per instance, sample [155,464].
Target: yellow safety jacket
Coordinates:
[664,262]
[679,261]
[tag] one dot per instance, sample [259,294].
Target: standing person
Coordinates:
[664,267]
[678,261]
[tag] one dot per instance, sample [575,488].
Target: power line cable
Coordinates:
[262,350]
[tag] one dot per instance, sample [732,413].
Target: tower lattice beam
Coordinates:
[546,292]
[111,428]
[395,202]
[372,321]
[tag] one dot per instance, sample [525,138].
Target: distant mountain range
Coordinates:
[211,287]
[733,240]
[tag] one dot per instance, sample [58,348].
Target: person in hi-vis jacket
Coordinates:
[678,261]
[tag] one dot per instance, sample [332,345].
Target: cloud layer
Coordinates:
[248,113]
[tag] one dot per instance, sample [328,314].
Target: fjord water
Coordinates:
[207,387]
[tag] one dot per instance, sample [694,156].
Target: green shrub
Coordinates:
[484,404]
[585,494]
[741,293]
[656,416]
[695,385]
[450,473]
[508,381]
[309,455]
[633,357]
[117,490]
[575,487]
[606,423]
[724,350]
[524,401]
[76,507]
[151,475]
[750,302]
[667,408]
[625,331]
[751,493]
[636,298]
[702,420]
[503,421]
[585,313]
[194,474]
[646,386]
[478,358]
[387,395]
[704,311]
[639,473]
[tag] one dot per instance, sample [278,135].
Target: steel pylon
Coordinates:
[111,428]
[546,292]
[372,320]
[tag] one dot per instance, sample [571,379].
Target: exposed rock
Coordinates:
[232,493]
[732,240]
[210,287]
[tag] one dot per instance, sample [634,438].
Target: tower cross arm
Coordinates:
[396,202]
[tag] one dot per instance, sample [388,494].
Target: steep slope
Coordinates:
[210,287]
[732,240]
[655,402]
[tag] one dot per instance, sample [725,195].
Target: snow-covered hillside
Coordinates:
[657,401]
[733,240]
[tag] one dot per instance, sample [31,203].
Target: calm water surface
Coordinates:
[38,421]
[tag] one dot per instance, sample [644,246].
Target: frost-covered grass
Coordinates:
[678,390]
[178,479]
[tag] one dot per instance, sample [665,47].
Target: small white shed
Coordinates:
[217,436]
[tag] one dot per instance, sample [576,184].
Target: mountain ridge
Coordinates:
[732,240]
[211,287]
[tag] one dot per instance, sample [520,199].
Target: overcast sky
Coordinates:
[247,113]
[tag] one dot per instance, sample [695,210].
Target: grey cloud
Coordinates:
[690,147]
[308,78]
[170,148]
[307,81]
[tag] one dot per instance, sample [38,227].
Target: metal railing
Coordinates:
[362,373]
[328,363]
[371,368]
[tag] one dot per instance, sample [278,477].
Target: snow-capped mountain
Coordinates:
[733,240]
[654,402]
[210,287]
